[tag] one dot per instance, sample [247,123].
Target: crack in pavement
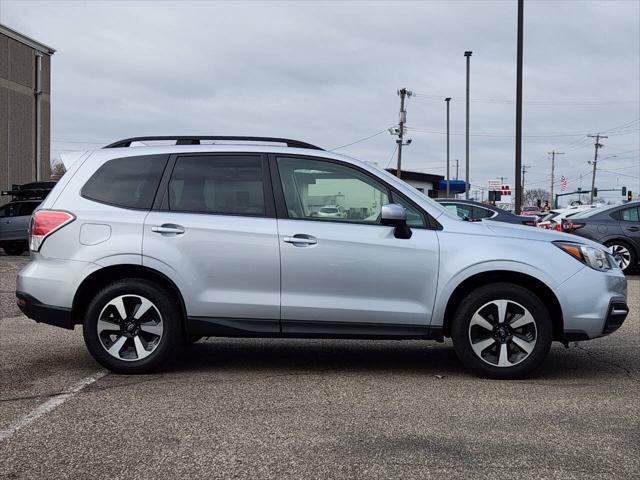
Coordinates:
[597,358]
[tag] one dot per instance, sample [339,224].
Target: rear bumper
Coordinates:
[42,313]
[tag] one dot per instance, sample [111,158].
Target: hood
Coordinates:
[511,230]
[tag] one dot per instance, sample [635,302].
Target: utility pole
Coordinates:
[524,170]
[466,179]
[403,118]
[598,145]
[519,189]
[447,100]
[553,154]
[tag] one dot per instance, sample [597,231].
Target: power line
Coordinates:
[361,140]
[551,103]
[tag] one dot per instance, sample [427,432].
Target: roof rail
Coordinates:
[195,140]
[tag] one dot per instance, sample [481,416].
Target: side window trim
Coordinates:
[161,203]
[281,209]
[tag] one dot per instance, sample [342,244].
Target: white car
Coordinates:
[554,219]
[330,211]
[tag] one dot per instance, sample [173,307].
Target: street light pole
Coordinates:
[448,99]
[467,54]
[519,107]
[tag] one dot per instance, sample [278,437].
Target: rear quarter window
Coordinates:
[129,182]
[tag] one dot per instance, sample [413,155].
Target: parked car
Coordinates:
[15,215]
[14,226]
[148,247]
[531,211]
[555,219]
[616,227]
[330,211]
[479,211]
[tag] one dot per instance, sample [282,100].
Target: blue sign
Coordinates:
[455,186]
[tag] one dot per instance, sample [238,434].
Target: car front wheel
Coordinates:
[132,326]
[623,253]
[502,331]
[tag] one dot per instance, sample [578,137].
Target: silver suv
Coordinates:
[151,247]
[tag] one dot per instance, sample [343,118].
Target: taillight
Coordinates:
[571,227]
[44,223]
[557,227]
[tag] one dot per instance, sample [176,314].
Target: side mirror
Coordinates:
[395,215]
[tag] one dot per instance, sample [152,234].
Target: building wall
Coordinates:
[424,187]
[18,114]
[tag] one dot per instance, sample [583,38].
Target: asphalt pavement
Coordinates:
[228,408]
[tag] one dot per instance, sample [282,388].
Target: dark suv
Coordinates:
[616,227]
[16,215]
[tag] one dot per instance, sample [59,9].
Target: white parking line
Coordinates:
[49,405]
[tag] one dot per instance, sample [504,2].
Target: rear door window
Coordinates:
[126,182]
[479,212]
[630,215]
[10,210]
[218,184]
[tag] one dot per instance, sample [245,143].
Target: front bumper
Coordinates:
[41,313]
[618,311]
[593,303]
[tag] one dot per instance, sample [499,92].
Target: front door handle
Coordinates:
[633,229]
[168,229]
[301,240]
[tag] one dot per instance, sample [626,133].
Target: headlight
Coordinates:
[595,258]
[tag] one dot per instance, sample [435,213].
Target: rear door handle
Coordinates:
[633,229]
[168,229]
[301,240]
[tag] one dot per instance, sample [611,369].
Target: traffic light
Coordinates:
[624,191]
[629,195]
[595,192]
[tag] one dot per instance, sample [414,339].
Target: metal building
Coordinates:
[25,109]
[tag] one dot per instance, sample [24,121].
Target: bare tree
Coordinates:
[58,170]
[532,195]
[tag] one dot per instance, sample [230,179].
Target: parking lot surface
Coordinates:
[228,408]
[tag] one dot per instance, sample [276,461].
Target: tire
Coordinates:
[158,329]
[15,250]
[623,253]
[510,349]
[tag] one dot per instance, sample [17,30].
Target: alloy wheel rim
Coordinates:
[621,254]
[130,327]
[503,333]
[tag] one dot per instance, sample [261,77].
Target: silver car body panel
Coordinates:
[225,266]
[241,267]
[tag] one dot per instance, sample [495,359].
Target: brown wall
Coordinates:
[18,114]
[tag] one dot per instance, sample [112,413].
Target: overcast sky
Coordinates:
[328,72]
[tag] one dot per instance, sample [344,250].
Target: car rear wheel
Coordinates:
[623,253]
[502,331]
[132,326]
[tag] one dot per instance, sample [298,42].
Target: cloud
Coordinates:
[327,73]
